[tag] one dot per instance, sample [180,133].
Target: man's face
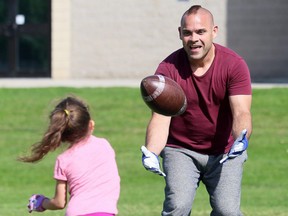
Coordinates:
[197,32]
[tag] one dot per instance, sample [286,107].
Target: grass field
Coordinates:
[121,117]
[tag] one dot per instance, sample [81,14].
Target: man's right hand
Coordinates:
[151,161]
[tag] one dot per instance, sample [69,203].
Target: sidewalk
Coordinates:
[75,83]
[80,83]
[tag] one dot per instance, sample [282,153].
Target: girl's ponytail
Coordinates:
[69,122]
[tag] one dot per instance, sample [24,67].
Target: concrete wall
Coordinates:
[257,29]
[61,39]
[128,38]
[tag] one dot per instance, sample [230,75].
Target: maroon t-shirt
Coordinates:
[206,125]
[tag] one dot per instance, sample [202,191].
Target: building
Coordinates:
[127,39]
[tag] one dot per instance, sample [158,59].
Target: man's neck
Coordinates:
[200,67]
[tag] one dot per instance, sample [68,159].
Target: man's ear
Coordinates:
[180,33]
[215,31]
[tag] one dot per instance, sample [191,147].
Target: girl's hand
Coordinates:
[35,203]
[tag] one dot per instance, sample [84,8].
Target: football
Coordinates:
[163,95]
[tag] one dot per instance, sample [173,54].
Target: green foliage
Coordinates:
[121,116]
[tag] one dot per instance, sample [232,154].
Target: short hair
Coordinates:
[193,10]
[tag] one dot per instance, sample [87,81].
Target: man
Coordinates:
[208,142]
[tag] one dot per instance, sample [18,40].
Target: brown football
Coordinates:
[163,95]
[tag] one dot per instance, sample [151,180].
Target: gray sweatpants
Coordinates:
[185,169]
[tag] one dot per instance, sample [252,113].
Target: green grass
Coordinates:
[121,116]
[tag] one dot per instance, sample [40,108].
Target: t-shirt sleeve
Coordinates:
[162,69]
[166,70]
[239,80]
[59,173]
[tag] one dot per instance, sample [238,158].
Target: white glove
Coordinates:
[36,203]
[238,147]
[151,161]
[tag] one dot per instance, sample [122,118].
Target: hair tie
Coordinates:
[66,111]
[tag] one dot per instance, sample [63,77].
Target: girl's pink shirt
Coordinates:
[90,169]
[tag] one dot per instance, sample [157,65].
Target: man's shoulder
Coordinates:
[226,52]
[179,53]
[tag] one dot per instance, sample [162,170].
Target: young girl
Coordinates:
[87,168]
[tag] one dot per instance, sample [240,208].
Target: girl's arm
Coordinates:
[60,198]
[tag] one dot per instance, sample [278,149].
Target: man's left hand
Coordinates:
[238,147]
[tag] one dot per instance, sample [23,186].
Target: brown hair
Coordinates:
[194,10]
[69,122]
